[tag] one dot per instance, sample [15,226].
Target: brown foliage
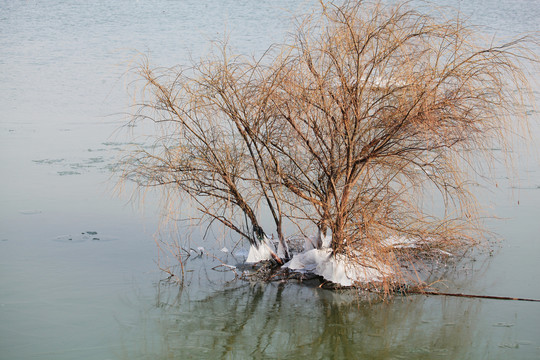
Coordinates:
[365,111]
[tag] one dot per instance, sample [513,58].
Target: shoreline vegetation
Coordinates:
[359,138]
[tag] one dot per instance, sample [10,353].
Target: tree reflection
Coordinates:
[285,320]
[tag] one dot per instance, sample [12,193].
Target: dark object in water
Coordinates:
[424,292]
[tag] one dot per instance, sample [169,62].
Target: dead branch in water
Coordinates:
[425,292]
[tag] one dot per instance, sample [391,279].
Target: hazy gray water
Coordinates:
[78,278]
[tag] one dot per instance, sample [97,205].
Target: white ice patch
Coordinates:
[319,241]
[311,242]
[404,242]
[282,251]
[317,258]
[260,252]
[400,242]
[336,268]
[445,253]
[309,260]
[326,241]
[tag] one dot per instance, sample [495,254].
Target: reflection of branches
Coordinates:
[238,322]
[289,321]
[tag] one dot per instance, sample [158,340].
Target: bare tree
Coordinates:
[367,109]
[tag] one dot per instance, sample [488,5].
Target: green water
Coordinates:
[79,275]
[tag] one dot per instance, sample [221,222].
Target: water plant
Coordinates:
[345,131]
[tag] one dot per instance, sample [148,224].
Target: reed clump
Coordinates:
[346,131]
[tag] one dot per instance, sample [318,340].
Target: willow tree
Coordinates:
[341,131]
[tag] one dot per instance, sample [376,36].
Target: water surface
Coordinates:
[78,273]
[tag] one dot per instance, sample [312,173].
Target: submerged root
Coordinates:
[270,271]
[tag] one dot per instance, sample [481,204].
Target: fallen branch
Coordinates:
[423,292]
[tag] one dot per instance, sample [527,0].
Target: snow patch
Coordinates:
[311,242]
[400,242]
[282,251]
[317,258]
[403,242]
[261,252]
[337,269]
[320,241]
[326,240]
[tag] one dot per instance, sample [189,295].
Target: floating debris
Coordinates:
[65,173]
[95,160]
[48,161]
[503,324]
[84,236]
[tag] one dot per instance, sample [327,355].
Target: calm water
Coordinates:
[78,274]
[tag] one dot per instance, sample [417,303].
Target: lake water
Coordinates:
[78,273]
